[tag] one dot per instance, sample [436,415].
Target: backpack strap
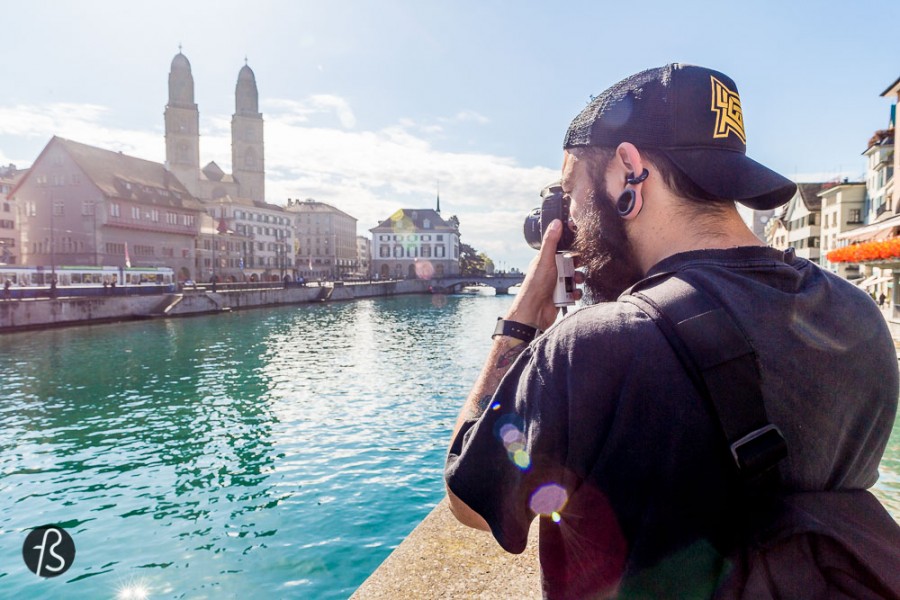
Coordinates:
[721,362]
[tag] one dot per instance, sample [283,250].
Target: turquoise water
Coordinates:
[277,453]
[271,453]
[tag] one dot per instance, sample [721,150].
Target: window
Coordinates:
[426,251]
[135,212]
[58,208]
[87,208]
[114,209]
[855,215]
[398,252]
[440,238]
[6,224]
[812,218]
[384,252]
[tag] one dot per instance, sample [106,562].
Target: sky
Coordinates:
[374,106]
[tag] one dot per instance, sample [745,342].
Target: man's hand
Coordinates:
[534,303]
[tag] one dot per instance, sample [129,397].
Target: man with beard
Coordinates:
[595,425]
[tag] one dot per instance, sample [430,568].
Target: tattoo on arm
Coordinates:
[507,358]
[484,403]
[501,358]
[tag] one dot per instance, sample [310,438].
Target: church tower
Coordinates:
[247,158]
[183,125]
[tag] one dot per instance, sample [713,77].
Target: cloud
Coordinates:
[471,115]
[295,111]
[313,149]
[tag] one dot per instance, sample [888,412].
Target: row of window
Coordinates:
[138,213]
[812,242]
[410,238]
[259,217]
[242,229]
[854,216]
[411,251]
[245,246]
[803,221]
[57,179]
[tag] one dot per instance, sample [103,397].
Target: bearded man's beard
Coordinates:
[606,253]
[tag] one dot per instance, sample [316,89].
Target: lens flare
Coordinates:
[521,458]
[424,269]
[400,223]
[549,499]
[508,430]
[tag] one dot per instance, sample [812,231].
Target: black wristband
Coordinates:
[514,329]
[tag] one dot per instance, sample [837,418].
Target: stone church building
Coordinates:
[182,120]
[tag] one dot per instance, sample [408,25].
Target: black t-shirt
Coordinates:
[598,429]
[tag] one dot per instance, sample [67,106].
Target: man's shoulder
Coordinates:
[613,324]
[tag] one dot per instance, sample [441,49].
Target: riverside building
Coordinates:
[325,240]
[81,205]
[9,221]
[415,243]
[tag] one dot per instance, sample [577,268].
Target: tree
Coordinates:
[470,262]
[487,264]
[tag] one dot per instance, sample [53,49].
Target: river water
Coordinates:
[276,452]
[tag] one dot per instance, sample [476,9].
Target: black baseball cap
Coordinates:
[693,115]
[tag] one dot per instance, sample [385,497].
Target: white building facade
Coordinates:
[415,243]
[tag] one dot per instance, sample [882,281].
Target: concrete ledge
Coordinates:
[443,559]
[17,315]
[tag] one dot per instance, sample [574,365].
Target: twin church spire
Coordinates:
[182,121]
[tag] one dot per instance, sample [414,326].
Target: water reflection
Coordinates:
[279,451]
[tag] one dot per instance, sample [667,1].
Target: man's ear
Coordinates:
[628,159]
[628,174]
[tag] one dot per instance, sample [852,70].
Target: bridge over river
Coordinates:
[455,284]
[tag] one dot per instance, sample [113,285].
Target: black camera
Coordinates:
[554,205]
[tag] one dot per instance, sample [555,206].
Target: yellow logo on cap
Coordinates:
[727,106]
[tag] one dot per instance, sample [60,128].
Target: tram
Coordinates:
[35,282]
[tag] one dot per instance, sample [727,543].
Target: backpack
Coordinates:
[827,544]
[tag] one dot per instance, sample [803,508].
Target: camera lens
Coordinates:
[532,231]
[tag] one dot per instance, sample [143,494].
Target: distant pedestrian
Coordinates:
[881,299]
[6,291]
